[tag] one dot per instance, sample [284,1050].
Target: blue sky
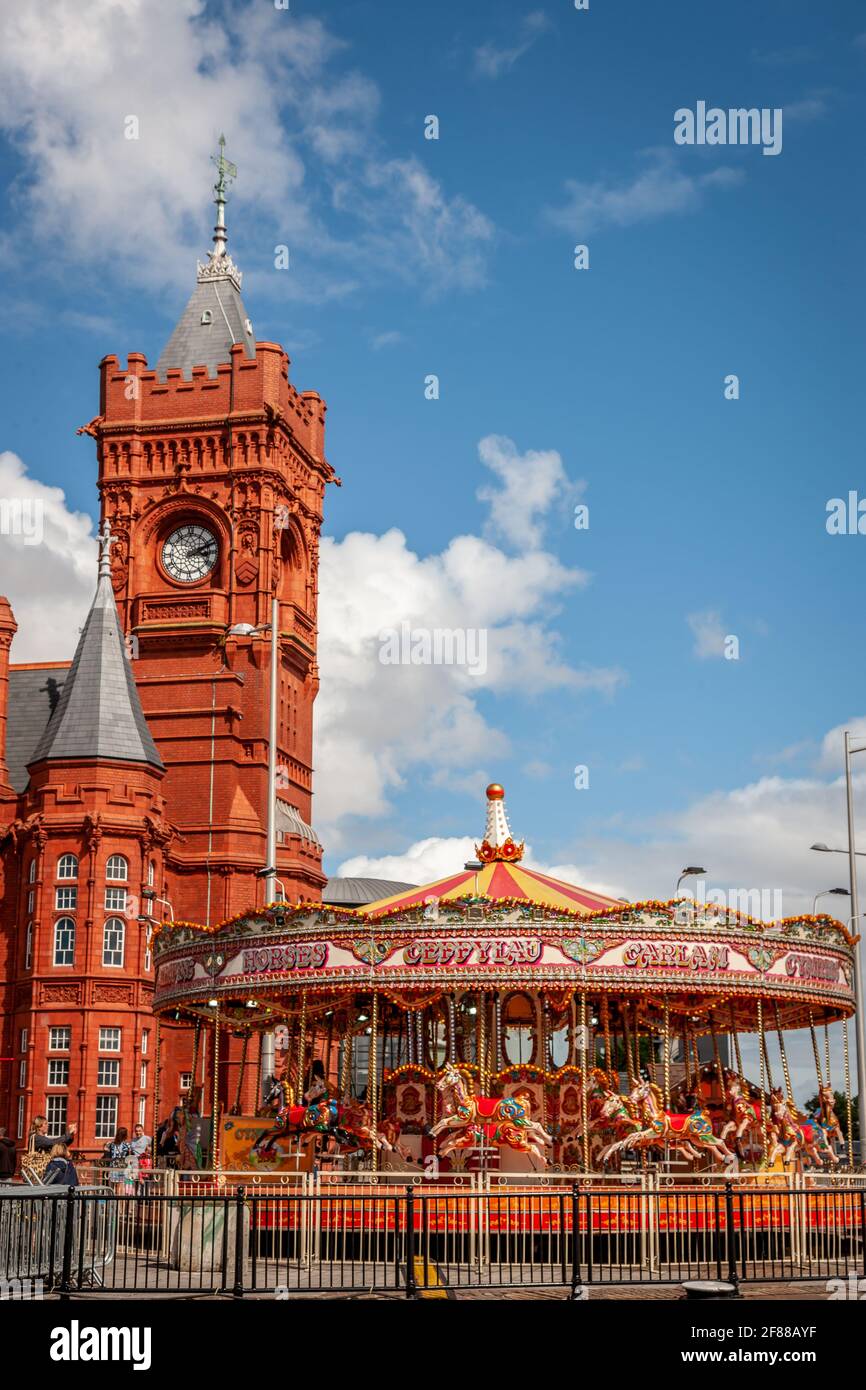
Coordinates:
[454,257]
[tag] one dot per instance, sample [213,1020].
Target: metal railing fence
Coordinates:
[419,1238]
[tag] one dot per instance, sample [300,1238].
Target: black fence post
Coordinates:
[578,1295]
[238,1286]
[733,1236]
[68,1237]
[411,1281]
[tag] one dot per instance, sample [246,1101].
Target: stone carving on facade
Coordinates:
[112,994]
[246,565]
[60,994]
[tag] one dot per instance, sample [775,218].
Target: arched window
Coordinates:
[518,1027]
[117,868]
[67,866]
[112,941]
[151,873]
[31,872]
[64,941]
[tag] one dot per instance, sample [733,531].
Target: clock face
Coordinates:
[190,553]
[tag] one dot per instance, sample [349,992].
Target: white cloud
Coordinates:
[657,191]
[51,584]
[390,338]
[423,862]
[529,485]
[709,633]
[492,60]
[412,229]
[296,119]
[378,724]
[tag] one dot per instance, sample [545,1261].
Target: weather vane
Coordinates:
[226,171]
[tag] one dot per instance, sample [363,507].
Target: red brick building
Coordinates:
[134,782]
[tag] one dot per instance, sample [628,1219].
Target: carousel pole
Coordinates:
[629,1067]
[214,1125]
[717,1057]
[847,1061]
[767,1056]
[497,1019]
[195,1051]
[827,1050]
[373,1079]
[605,1023]
[697,1061]
[329,1049]
[346,1066]
[763,1052]
[736,1041]
[482,1001]
[667,1054]
[241,1071]
[156,1120]
[815,1051]
[452,1028]
[789,1090]
[302,1047]
[584,1099]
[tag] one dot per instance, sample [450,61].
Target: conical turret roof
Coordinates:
[99,714]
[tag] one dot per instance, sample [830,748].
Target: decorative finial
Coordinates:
[497,844]
[219,261]
[105,541]
[226,173]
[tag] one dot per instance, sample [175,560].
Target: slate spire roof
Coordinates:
[215,318]
[99,714]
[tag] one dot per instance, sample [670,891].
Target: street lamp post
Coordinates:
[688,873]
[269,874]
[855,913]
[268,1045]
[852,852]
[271,851]
[825,893]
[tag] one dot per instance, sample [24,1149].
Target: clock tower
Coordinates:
[212,475]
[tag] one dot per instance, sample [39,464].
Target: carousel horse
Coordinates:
[345,1124]
[690,1134]
[795,1140]
[611,1114]
[498,1120]
[830,1122]
[744,1116]
[821,1132]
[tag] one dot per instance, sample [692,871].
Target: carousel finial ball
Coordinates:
[495,792]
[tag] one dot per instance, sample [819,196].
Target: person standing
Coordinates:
[116,1156]
[140,1154]
[40,1143]
[8,1156]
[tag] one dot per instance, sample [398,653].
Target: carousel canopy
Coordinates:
[500,876]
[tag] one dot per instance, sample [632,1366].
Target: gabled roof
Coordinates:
[99,714]
[213,320]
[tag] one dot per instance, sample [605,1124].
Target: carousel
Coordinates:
[500,1019]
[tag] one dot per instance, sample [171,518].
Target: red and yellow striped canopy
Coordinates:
[496,881]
